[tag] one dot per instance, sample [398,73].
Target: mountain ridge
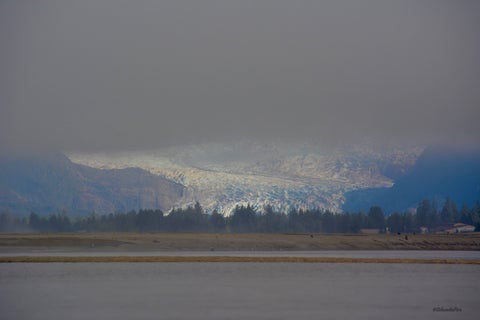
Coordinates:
[52,183]
[221,176]
[440,173]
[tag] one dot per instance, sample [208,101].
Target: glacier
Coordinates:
[285,176]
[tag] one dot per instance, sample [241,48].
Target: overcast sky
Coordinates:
[113,74]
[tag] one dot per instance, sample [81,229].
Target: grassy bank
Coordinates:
[203,259]
[166,259]
[233,242]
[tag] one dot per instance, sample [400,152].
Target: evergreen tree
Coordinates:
[359,221]
[434,218]
[395,223]
[376,219]
[476,216]
[466,215]
[36,223]
[409,224]
[218,221]
[329,222]
[449,212]
[295,221]
[243,219]
[423,214]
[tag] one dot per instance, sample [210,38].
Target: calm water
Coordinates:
[238,291]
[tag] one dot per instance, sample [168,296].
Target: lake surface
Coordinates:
[238,291]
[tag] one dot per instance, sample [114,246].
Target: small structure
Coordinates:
[456,228]
[423,230]
[462,227]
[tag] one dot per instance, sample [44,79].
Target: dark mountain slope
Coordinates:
[438,173]
[51,183]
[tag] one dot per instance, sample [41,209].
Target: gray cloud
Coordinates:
[82,75]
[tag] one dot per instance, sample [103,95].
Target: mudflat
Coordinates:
[128,242]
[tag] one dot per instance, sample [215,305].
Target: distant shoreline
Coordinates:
[138,242]
[224,259]
[116,247]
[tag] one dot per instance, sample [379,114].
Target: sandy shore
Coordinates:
[130,242]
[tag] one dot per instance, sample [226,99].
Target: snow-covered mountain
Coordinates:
[283,175]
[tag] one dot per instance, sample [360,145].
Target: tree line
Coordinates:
[248,219]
